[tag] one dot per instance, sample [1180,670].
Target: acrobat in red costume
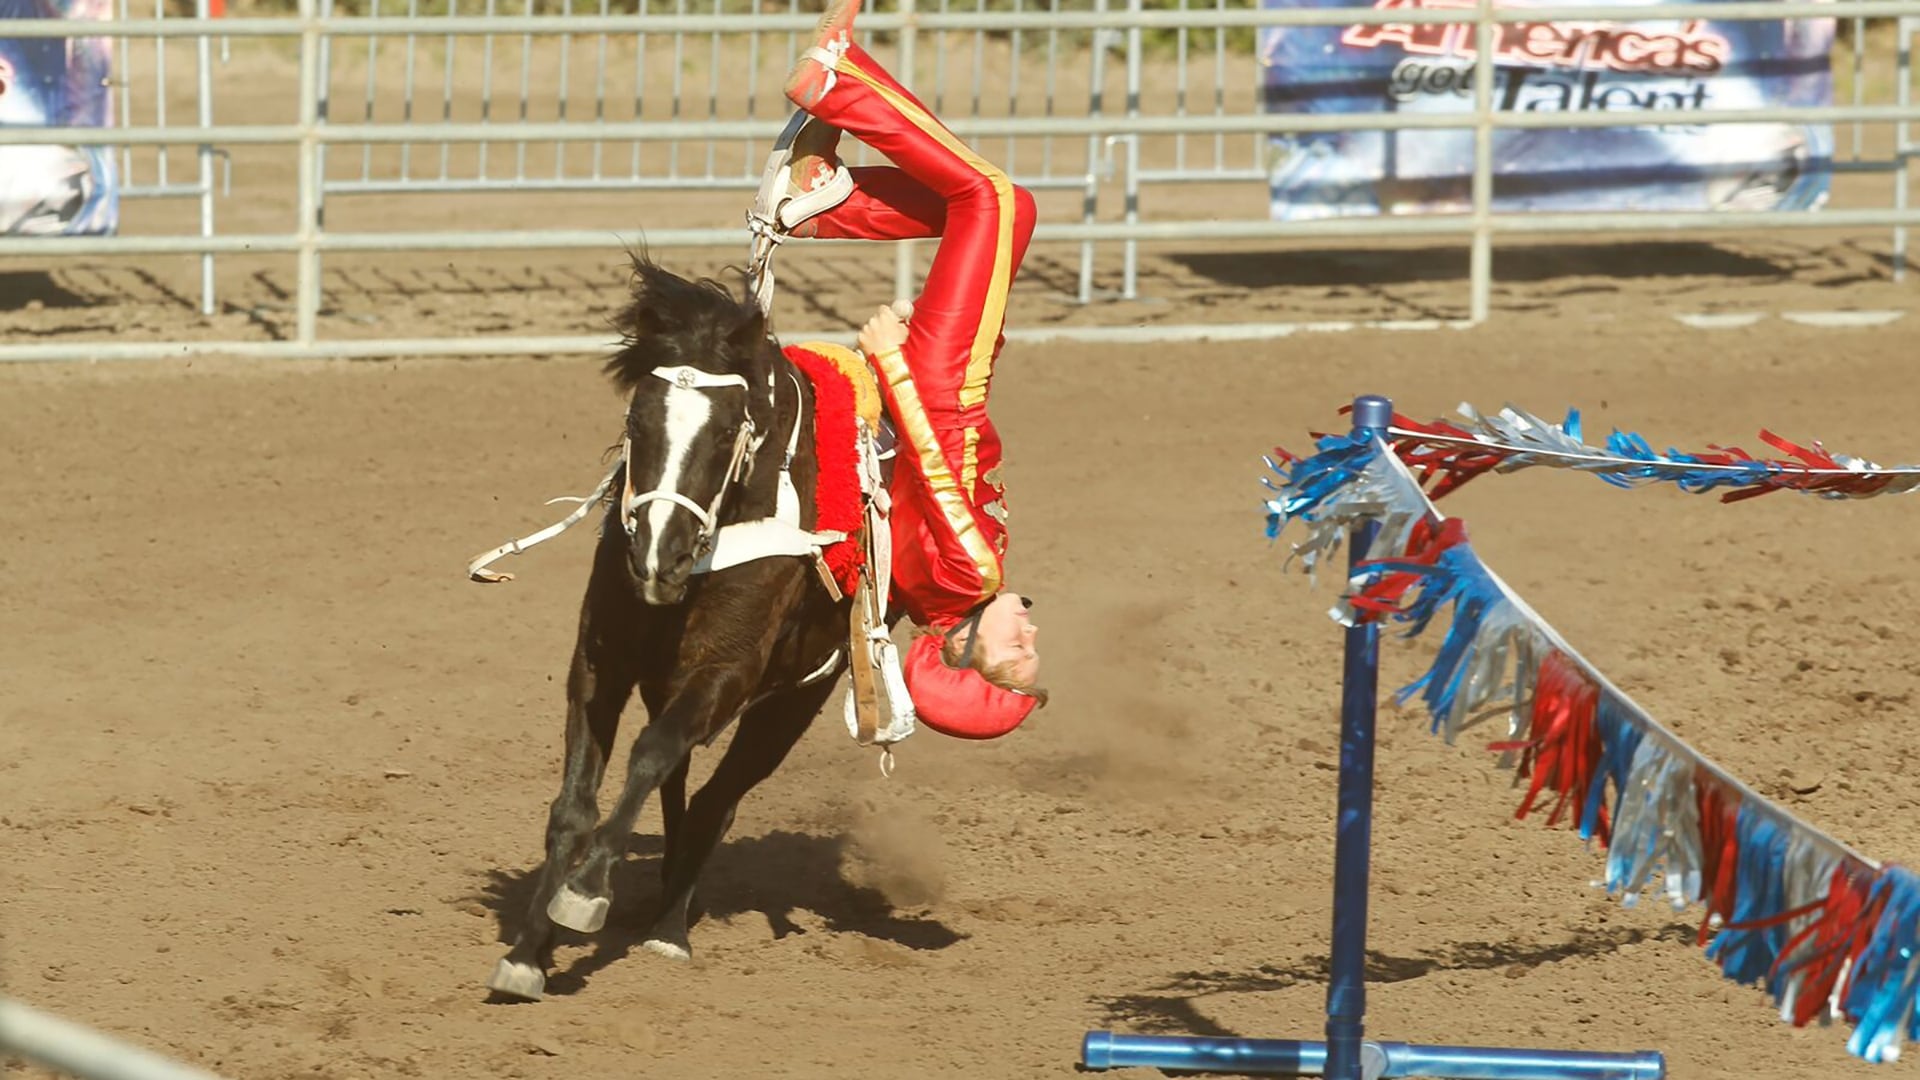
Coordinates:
[948,504]
[949,518]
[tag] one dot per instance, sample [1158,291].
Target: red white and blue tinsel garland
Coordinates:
[1447,455]
[1828,932]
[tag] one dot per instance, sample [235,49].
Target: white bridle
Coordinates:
[690,378]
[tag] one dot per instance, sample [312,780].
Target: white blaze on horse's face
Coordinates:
[679,438]
[688,410]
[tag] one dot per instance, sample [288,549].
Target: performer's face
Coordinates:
[1008,638]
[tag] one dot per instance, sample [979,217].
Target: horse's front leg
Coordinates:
[658,751]
[767,733]
[598,684]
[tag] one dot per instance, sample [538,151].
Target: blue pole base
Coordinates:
[1106,1050]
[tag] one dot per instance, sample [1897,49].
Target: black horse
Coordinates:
[715,410]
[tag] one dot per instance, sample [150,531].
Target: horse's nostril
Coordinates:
[680,569]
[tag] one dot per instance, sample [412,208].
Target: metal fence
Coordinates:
[410,98]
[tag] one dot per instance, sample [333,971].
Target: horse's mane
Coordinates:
[672,320]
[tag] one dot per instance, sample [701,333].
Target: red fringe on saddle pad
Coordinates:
[836,449]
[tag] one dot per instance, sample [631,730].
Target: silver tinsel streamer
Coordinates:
[1531,441]
[1375,495]
[1505,643]
[1657,828]
[1535,441]
[1808,873]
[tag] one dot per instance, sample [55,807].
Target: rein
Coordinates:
[739,467]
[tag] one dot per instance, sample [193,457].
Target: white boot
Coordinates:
[786,201]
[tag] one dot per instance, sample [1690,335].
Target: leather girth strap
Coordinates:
[866,694]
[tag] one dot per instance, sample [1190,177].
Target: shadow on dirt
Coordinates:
[777,875]
[1173,1006]
[1437,264]
[20,289]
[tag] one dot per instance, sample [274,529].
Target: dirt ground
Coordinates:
[273,774]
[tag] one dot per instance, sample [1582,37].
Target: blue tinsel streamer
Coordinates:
[1880,995]
[1745,955]
[1310,482]
[1456,578]
[1619,741]
[1626,444]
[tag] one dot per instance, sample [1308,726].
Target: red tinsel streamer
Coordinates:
[1835,940]
[1425,544]
[1840,932]
[837,489]
[1564,752]
[1443,468]
[1789,478]
[1719,850]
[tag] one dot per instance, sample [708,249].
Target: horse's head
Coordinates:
[698,368]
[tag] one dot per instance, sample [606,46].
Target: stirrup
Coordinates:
[775,212]
[775,205]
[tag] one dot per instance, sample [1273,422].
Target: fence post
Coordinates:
[903,252]
[1090,195]
[1480,262]
[1902,138]
[307,228]
[203,54]
[1130,273]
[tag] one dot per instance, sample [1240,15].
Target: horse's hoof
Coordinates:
[583,914]
[517,980]
[667,949]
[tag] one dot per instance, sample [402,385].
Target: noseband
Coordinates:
[691,378]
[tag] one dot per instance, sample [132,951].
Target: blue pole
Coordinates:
[1347,1055]
[1347,985]
[1105,1050]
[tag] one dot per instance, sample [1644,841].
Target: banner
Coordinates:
[1665,73]
[56,82]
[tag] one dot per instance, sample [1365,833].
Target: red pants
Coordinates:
[949,533]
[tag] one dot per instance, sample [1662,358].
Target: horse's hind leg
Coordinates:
[597,689]
[767,733]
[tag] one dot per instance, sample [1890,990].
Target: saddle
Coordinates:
[850,432]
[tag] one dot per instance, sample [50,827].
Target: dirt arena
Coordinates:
[273,774]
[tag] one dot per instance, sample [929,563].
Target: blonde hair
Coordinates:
[1000,675]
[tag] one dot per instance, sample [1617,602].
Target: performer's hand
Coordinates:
[884,332]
